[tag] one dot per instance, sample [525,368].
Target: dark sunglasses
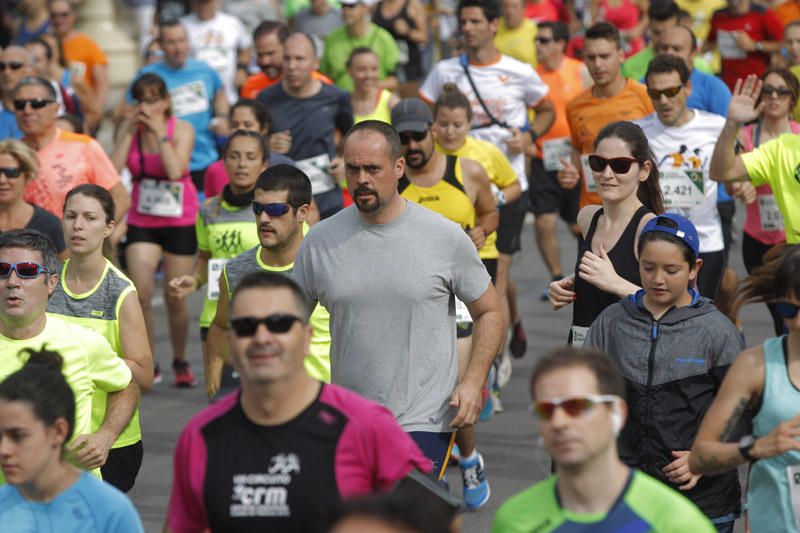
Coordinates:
[246,326]
[777,91]
[619,165]
[544,40]
[574,407]
[10,172]
[36,103]
[25,270]
[416,136]
[13,65]
[787,310]
[655,94]
[273,210]
[60,14]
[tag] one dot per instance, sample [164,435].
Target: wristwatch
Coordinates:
[746,444]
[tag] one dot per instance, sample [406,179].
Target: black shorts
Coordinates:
[491,268]
[122,466]
[178,240]
[512,217]
[463,330]
[547,196]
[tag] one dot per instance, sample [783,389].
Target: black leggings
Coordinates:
[122,466]
[753,252]
[710,276]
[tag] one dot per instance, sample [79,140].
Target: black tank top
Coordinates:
[413,68]
[591,301]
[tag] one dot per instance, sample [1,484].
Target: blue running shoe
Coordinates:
[476,488]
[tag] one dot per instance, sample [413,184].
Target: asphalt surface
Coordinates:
[507,442]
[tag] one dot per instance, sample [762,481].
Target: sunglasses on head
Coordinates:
[775,91]
[574,406]
[655,94]
[619,165]
[36,103]
[787,310]
[13,65]
[273,209]
[417,136]
[246,326]
[10,172]
[25,270]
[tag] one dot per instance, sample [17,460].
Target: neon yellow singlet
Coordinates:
[381,111]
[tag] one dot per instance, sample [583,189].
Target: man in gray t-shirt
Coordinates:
[388,270]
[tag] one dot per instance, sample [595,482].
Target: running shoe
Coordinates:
[157,376]
[519,341]
[503,363]
[476,488]
[498,405]
[183,374]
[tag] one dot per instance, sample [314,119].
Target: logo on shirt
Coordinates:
[230,241]
[266,493]
[98,314]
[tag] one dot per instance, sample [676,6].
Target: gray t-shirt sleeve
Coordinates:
[470,280]
[303,274]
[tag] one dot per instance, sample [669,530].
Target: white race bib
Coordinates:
[793,475]
[160,198]
[578,335]
[553,151]
[316,168]
[728,48]
[771,218]
[462,313]
[588,177]
[189,99]
[682,188]
[215,267]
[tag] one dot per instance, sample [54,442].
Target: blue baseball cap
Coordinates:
[683,229]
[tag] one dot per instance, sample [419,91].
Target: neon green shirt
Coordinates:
[99,309]
[644,505]
[90,364]
[339,44]
[635,67]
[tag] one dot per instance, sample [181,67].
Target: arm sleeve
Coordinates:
[760,163]
[303,274]
[103,171]
[187,509]
[535,88]
[595,337]
[108,371]
[97,54]
[503,173]
[469,276]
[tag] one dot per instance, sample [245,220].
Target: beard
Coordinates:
[421,162]
[366,205]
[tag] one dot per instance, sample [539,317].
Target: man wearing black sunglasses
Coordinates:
[15,64]
[579,402]
[287,448]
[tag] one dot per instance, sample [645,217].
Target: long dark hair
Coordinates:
[649,192]
[778,278]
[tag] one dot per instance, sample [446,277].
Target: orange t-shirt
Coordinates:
[787,12]
[259,81]
[565,83]
[587,115]
[82,55]
[70,159]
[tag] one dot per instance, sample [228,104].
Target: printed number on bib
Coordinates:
[682,188]
[793,475]
[462,313]
[728,48]
[578,335]
[316,168]
[553,151]
[189,99]
[771,218]
[588,177]
[160,198]
[215,267]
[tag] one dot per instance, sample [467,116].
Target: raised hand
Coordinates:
[743,106]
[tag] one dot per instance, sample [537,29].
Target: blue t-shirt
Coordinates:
[192,89]
[709,93]
[8,125]
[88,506]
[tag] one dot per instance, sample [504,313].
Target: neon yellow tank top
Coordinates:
[381,111]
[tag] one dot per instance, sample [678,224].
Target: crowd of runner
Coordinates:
[347,183]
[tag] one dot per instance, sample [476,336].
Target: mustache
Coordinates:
[265,227]
[409,153]
[364,189]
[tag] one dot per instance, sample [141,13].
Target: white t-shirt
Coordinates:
[217,41]
[508,88]
[684,156]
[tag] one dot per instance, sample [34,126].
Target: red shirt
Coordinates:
[760,24]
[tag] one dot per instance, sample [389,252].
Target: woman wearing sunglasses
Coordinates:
[764,381]
[44,492]
[18,165]
[763,227]
[225,224]
[92,292]
[607,268]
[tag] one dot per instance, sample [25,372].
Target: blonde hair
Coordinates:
[24,155]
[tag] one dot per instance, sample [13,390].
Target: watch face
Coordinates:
[747,441]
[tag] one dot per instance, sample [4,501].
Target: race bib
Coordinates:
[316,168]
[553,151]
[160,198]
[728,48]
[215,267]
[771,218]
[793,475]
[588,177]
[683,189]
[578,335]
[189,99]
[462,313]
[215,56]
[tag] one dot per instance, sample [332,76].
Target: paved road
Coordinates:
[507,441]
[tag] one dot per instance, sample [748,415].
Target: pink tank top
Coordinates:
[142,202]
[624,16]
[215,179]
[752,224]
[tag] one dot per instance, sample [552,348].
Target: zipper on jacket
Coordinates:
[651,360]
